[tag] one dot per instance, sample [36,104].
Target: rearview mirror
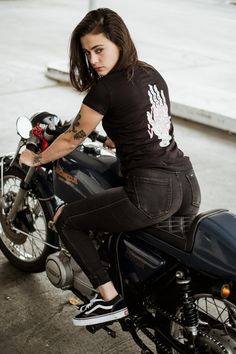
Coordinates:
[23,127]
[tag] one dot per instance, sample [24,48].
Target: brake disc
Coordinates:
[15,237]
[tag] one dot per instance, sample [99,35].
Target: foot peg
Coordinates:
[51,225]
[94,328]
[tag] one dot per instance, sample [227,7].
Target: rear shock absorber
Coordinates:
[189,311]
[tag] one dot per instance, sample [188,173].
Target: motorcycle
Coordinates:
[178,277]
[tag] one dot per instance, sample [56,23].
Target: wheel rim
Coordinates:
[24,248]
[215,321]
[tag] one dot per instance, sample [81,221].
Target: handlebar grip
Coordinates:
[32,147]
[101,138]
[33,144]
[95,136]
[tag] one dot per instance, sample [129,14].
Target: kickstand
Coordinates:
[139,342]
[110,332]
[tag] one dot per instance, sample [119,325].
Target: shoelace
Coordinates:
[83,308]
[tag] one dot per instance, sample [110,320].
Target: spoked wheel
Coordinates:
[217,326]
[23,251]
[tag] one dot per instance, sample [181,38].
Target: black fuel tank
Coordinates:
[80,175]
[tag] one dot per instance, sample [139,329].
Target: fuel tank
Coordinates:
[81,174]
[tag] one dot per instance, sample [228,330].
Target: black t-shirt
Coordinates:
[137,118]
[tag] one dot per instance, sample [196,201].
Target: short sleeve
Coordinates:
[98,98]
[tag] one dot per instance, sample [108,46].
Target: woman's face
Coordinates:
[102,53]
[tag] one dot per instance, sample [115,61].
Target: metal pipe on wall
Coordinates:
[92,4]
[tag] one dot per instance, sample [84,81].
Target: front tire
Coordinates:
[25,253]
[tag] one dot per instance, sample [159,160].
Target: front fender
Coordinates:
[40,183]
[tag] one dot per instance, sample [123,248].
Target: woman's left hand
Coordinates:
[58,213]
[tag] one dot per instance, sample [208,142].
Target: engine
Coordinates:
[63,272]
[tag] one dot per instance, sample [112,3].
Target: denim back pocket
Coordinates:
[195,189]
[153,195]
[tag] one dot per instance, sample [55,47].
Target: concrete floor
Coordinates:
[36,317]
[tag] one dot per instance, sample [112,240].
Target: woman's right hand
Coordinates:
[109,143]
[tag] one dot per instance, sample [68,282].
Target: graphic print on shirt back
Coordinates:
[158,118]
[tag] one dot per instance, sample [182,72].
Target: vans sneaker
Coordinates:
[101,311]
[97,298]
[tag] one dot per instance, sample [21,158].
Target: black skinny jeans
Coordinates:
[147,197]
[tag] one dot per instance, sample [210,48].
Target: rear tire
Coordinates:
[218,333]
[25,253]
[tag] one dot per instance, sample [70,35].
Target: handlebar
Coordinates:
[33,144]
[95,136]
[39,140]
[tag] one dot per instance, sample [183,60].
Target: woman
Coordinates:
[131,99]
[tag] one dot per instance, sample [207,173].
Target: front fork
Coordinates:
[24,187]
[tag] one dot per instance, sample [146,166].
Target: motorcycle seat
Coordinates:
[180,231]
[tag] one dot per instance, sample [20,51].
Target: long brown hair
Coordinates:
[106,21]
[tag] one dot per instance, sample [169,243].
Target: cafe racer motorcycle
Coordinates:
[177,277]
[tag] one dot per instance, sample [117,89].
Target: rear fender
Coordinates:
[203,283]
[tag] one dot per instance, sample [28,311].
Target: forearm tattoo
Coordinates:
[75,123]
[78,134]
[37,160]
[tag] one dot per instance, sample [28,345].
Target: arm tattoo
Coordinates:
[75,124]
[78,134]
[37,160]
